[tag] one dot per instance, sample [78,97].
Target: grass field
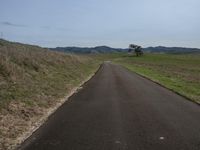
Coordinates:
[181,73]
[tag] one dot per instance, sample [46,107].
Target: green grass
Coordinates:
[181,73]
[33,81]
[34,75]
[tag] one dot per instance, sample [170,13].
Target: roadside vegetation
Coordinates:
[180,73]
[33,80]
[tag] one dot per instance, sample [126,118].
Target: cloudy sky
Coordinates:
[115,23]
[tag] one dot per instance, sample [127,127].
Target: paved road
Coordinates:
[119,110]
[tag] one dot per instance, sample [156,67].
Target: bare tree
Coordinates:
[137,49]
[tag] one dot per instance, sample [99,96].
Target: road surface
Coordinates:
[120,110]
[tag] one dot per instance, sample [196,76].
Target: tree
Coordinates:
[136,48]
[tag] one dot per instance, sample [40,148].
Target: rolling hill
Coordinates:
[172,50]
[88,50]
[106,49]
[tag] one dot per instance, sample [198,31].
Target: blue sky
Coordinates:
[115,23]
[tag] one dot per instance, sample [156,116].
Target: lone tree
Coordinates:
[136,48]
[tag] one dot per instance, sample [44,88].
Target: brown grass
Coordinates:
[32,81]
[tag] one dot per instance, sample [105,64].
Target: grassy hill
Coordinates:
[32,81]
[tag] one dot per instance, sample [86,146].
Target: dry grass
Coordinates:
[32,80]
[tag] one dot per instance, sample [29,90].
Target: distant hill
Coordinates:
[173,50]
[88,50]
[106,49]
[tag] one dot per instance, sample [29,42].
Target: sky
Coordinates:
[88,23]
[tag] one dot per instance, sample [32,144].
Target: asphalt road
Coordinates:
[119,110]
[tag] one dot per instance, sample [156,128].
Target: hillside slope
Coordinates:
[32,81]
